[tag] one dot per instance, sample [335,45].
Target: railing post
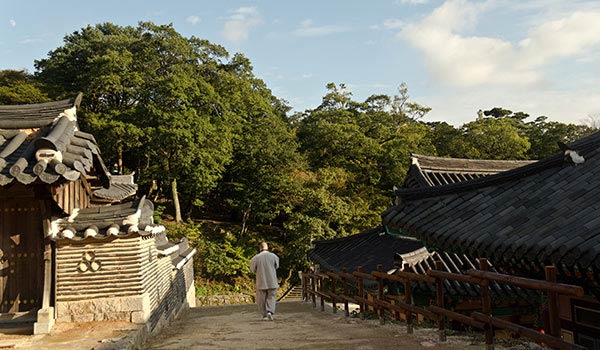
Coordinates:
[439,284]
[321,290]
[380,310]
[361,293]
[303,283]
[346,292]
[333,294]
[486,305]
[408,300]
[313,285]
[553,316]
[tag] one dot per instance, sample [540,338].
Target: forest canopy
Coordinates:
[215,149]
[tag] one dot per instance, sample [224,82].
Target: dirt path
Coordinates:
[297,326]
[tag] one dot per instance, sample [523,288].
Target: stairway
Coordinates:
[18,323]
[294,293]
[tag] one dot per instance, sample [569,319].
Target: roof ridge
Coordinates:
[583,145]
[361,233]
[418,156]
[71,101]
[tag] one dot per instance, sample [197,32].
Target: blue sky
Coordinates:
[457,56]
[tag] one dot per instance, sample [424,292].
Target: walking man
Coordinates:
[264,265]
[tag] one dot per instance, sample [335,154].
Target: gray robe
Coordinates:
[264,265]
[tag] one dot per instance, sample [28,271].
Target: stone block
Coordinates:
[139,317]
[64,319]
[82,317]
[42,327]
[105,308]
[46,315]
[191,296]
[112,316]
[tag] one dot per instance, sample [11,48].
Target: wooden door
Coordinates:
[21,261]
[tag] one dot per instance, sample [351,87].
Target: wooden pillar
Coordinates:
[313,285]
[361,293]
[408,300]
[47,275]
[380,309]
[554,319]
[439,284]
[321,290]
[333,294]
[346,292]
[303,284]
[486,304]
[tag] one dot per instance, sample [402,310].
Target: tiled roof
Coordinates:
[104,222]
[367,249]
[120,187]
[427,171]
[544,212]
[372,247]
[42,141]
[458,264]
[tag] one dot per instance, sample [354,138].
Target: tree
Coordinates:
[146,86]
[18,87]
[490,138]
[544,134]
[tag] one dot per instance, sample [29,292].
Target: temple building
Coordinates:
[393,249]
[544,213]
[76,243]
[385,246]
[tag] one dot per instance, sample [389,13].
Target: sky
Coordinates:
[456,56]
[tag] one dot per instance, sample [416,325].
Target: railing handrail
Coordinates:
[438,312]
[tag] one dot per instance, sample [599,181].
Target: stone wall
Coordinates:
[226,299]
[130,309]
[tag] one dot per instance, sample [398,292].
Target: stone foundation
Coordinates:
[134,309]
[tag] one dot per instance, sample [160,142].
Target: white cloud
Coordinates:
[30,40]
[237,27]
[308,29]
[459,106]
[193,20]
[411,2]
[393,23]
[467,60]
[307,75]
[12,23]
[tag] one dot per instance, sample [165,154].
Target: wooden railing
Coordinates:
[348,288]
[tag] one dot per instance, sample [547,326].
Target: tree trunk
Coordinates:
[245,218]
[176,200]
[120,161]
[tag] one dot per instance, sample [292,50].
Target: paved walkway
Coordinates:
[297,326]
[69,336]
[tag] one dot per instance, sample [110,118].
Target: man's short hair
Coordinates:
[263,246]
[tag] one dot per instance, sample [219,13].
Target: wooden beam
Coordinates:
[560,288]
[454,277]
[551,341]
[554,318]
[401,307]
[464,319]
[439,294]
[415,276]
[486,303]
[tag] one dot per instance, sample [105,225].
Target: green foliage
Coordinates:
[491,138]
[158,212]
[182,112]
[18,87]
[219,256]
